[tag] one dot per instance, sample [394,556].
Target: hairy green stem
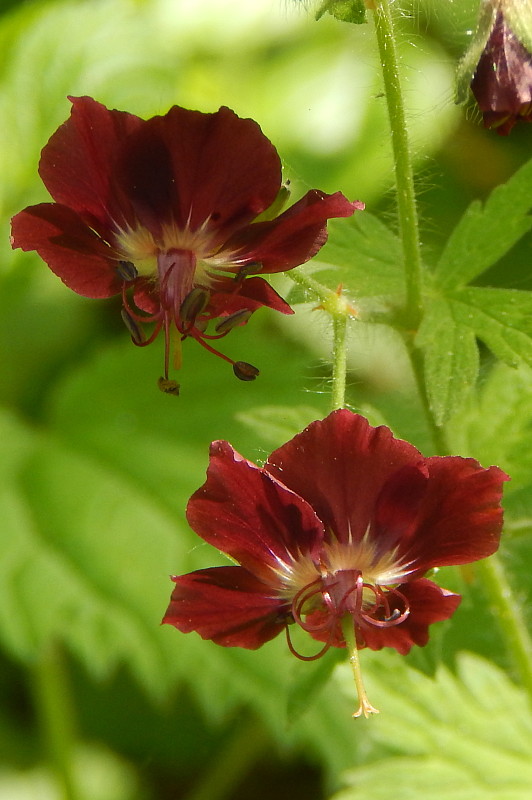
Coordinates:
[506,607]
[339,365]
[339,310]
[404,175]
[56,717]
[510,617]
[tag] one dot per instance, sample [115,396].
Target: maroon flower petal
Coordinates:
[398,508]
[188,167]
[227,605]
[77,163]
[339,466]
[252,294]
[295,236]
[461,517]
[70,248]
[251,516]
[428,603]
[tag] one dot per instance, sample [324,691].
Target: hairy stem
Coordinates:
[404,175]
[340,310]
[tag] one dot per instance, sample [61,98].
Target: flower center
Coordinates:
[172,284]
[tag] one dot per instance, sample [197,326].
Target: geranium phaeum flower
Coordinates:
[335,533]
[164,211]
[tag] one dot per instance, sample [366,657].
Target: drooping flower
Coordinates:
[498,65]
[335,534]
[175,214]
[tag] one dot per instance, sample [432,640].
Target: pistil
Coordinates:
[348,629]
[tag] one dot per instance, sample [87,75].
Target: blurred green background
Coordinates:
[97,465]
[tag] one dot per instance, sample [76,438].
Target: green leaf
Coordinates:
[277,424]
[465,736]
[501,318]
[496,426]
[451,358]
[366,255]
[345,10]
[309,680]
[486,232]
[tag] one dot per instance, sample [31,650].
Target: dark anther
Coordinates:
[245,371]
[137,334]
[228,323]
[194,303]
[168,386]
[127,270]
[248,269]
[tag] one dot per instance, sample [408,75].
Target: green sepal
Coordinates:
[468,65]
[344,10]
[518,15]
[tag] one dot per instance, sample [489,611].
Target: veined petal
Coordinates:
[252,294]
[77,163]
[296,235]
[339,466]
[251,516]
[83,261]
[227,605]
[191,168]
[461,517]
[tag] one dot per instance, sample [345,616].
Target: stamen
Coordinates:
[168,386]
[247,269]
[228,323]
[245,371]
[348,629]
[127,270]
[137,334]
[194,303]
[294,652]
[391,618]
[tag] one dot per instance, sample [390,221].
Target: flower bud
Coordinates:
[498,64]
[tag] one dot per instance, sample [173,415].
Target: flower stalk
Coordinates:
[404,174]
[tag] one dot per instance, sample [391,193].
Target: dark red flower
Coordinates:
[339,526]
[165,211]
[502,82]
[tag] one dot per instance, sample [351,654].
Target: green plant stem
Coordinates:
[339,364]
[339,310]
[506,607]
[404,175]
[248,743]
[510,617]
[56,717]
